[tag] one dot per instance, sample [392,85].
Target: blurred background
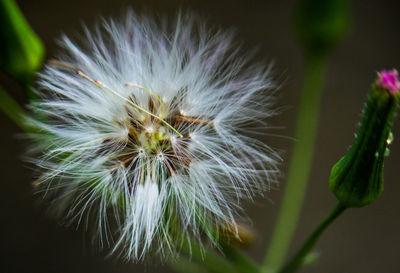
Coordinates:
[362,240]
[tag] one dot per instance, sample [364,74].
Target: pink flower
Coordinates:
[389,80]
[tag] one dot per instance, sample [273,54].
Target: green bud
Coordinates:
[320,25]
[357,178]
[21,51]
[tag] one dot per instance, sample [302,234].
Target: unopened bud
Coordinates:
[357,178]
[321,25]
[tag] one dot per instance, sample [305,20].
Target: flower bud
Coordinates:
[238,233]
[21,51]
[357,178]
[320,25]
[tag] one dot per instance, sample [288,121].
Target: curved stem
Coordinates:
[184,265]
[207,259]
[298,258]
[11,109]
[300,166]
[241,261]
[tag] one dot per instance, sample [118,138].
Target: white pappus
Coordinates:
[140,133]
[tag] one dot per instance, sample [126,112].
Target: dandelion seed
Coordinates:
[140,134]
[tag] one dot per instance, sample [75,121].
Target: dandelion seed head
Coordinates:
[140,133]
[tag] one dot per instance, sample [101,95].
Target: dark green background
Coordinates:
[362,240]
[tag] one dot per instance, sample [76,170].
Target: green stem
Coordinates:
[298,258]
[184,265]
[11,108]
[242,262]
[209,259]
[300,162]
[230,260]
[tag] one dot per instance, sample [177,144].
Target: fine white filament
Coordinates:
[142,133]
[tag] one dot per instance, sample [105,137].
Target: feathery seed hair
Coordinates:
[140,133]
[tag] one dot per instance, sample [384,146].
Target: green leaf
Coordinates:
[21,51]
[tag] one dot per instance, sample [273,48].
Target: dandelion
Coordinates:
[143,133]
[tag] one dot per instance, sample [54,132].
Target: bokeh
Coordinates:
[363,240]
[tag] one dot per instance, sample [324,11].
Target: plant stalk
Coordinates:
[298,258]
[11,109]
[298,174]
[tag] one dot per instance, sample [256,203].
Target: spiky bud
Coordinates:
[357,178]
